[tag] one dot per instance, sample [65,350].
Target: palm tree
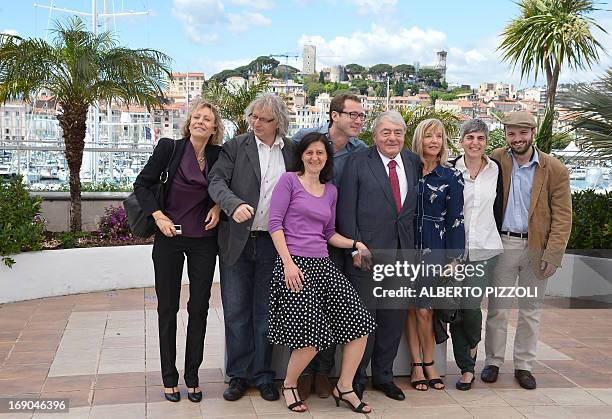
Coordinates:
[547,35]
[412,117]
[593,123]
[232,102]
[80,69]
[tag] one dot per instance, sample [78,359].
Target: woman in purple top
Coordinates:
[312,305]
[186,222]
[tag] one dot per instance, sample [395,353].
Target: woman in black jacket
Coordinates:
[483,201]
[186,223]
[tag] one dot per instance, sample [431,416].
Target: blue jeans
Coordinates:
[245,293]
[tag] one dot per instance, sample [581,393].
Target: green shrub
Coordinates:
[592,220]
[21,226]
[71,239]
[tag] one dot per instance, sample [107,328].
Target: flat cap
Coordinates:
[520,119]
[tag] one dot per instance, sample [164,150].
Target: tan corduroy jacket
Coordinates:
[550,212]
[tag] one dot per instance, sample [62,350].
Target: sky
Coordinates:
[212,35]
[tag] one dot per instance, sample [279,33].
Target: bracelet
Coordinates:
[354,245]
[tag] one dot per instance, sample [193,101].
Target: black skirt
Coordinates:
[327,311]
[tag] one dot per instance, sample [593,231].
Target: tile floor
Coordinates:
[100,351]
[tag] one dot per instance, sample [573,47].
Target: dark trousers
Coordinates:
[323,362]
[168,258]
[466,334]
[245,293]
[382,345]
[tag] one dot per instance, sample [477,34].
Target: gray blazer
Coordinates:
[234,180]
[366,206]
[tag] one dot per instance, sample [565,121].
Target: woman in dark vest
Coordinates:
[186,226]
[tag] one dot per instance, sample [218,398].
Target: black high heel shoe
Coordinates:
[339,398]
[174,397]
[433,381]
[296,397]
[194,396]
[417,383]
[465,386]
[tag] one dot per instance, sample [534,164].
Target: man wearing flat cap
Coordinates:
[536,227]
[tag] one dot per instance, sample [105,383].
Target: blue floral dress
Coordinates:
[439,225]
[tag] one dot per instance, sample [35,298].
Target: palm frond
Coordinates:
[233,102]
[551,33]
[592,105]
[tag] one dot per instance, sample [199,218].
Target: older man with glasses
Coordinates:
[346,118]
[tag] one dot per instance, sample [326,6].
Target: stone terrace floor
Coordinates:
[100,351]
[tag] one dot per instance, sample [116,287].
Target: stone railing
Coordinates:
[56,208]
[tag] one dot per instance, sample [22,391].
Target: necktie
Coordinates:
[394,181]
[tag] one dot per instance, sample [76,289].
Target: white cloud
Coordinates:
[204,19]
[255,4]
[368,7]
[243,21]
[378,45]
[9,32]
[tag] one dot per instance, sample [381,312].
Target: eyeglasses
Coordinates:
[355,115]
[256,118]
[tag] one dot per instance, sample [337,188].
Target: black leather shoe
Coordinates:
[194,396]
[465,386]
[525,379]
[237,388]
[359,389]
[489,374]
[268,391]
[391,390]
[173,397]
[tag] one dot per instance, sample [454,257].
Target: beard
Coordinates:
[523,149]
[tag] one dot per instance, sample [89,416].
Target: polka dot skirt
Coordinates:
[327,311]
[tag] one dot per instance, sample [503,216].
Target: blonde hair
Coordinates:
[217,136]
[419,135]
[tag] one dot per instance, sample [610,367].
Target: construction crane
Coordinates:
[287,55]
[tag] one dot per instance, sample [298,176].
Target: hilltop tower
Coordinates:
[310,59]
[441,64]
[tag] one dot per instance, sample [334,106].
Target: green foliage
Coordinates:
[72,239]
[80,68]
[545,139]
[497,139]
[593,124]
[321,77]
[381,70]
[398,88]
[21,226]
[592,220]
[412,117]
[98,187]
[354,69]
[360,85]
[262,64]
[429,76]
[548,35]
[232,103]
[404,70]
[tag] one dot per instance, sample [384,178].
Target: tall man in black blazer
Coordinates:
[242,181]
[377,200]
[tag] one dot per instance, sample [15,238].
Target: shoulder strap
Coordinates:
[163,177]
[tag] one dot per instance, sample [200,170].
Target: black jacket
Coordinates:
[498,205]
[150,174]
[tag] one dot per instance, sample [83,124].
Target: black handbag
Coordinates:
[142,225]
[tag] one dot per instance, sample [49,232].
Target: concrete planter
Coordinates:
[73,271]
[582,277]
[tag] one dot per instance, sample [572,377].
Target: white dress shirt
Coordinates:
[272,166]
[401,173]
[482,240]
